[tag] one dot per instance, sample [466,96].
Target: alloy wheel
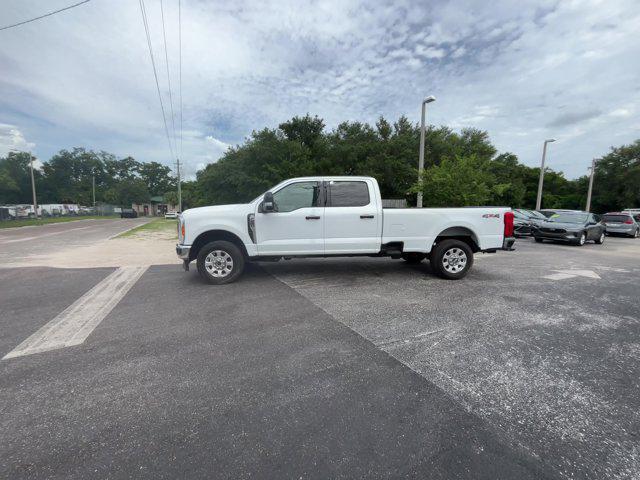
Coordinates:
[218,263]
[454,260]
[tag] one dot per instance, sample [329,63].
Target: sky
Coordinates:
[524,71]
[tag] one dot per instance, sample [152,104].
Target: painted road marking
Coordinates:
[26,239]
[75,324]
[565,274]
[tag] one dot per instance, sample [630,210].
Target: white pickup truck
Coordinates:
[336,216]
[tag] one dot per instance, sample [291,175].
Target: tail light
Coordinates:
[182,230]
[508,224]
[628,221]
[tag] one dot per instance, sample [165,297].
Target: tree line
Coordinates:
[461,168]
[68,177]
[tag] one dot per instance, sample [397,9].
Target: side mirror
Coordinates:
[268,205]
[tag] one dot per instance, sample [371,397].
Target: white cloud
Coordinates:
[11,138]
[522,70]
[430,52]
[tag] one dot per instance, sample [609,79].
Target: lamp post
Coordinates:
[541,181]
[33,183]
[429,99]
[593,173]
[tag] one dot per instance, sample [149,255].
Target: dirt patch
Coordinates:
[143,247]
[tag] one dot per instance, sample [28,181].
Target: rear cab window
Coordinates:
[348,194]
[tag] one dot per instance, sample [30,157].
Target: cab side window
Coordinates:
[348,194]
[297,195]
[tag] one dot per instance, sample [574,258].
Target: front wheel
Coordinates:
[538,240]
[582,240]
[220,262]
[452,259]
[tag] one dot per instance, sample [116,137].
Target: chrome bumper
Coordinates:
[508,242]
[183,251]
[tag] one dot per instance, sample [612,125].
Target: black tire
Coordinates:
[413,258]
[580,241]
[448,247]
[636,234]
[228,271]
[600,239]
[538,240]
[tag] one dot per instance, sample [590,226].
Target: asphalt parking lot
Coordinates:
[333,368]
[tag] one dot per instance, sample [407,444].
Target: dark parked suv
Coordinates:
[128,213]
[570,226]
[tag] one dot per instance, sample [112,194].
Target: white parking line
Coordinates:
[565,274]
[75,324]
[26,239]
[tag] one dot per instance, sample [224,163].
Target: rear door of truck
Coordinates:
[352,217]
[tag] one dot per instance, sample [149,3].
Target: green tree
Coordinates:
[128,191]
[457,182]
[157,177]
[617,179]
[15,178]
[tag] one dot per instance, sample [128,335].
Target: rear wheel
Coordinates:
[538,240]
[452,259]
[413,258]
[600,239]
[220,262]
[636,234]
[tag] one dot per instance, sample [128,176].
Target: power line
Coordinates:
[155,73]
[166,59]
[45,15]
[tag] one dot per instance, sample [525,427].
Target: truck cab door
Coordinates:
[353,219]
[296,226]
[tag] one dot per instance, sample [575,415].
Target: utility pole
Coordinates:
[179,186]
[541,180]
[33,188]
[429,99]
[93,185]
[593,174]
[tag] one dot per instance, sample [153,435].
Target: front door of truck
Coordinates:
[296,226]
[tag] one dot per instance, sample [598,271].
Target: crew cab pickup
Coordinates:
[336,216]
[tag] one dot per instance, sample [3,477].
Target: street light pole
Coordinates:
[593,172]
[541,181]
[429,99]
[33,188]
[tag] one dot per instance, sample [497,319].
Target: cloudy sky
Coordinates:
[523,71]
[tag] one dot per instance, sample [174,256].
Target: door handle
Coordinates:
[312,217]
[366,216]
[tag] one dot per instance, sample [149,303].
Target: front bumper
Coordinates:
[560,236]
[183,251]
[522,230]
[630,230]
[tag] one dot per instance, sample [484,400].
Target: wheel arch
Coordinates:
[213,235]
[463,234]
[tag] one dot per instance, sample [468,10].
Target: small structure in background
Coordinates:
[156,207]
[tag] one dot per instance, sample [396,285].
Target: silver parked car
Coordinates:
[621,223]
